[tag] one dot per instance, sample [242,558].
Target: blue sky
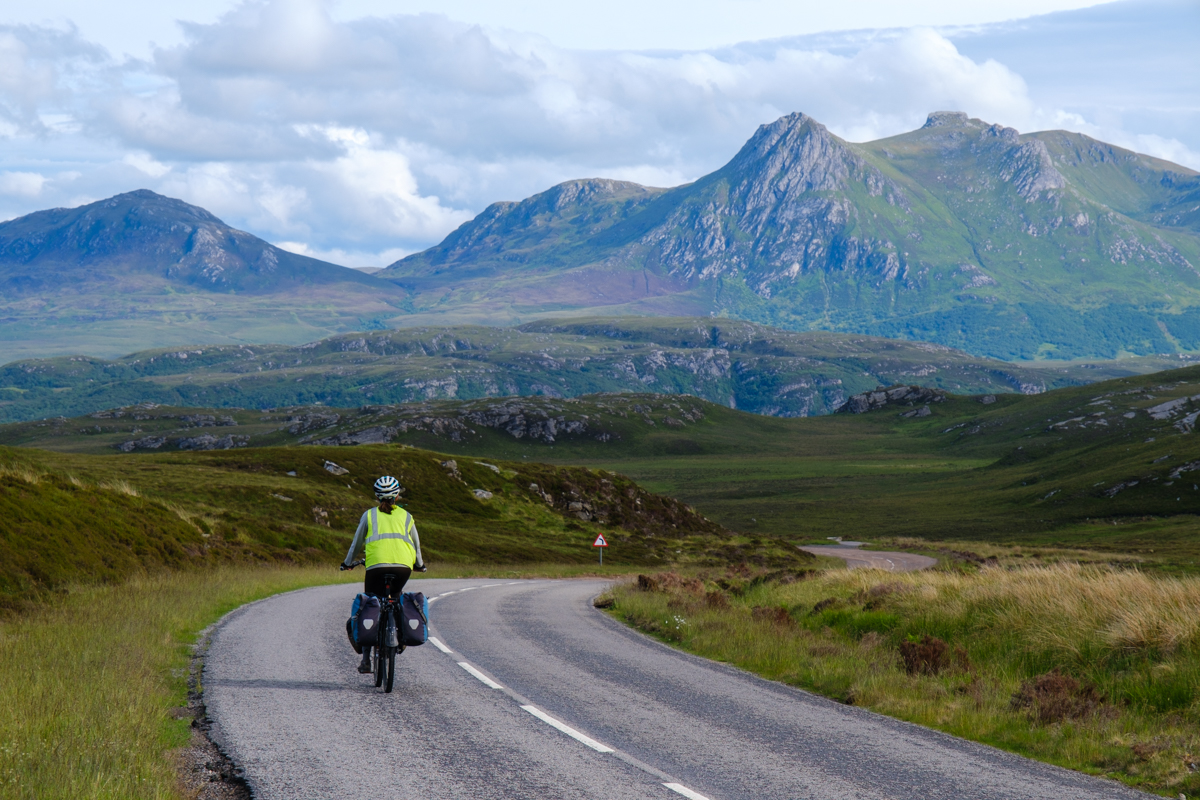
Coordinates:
[363,130]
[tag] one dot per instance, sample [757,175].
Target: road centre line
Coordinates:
[523,702]
[484,679]
[568,730]
[438,644]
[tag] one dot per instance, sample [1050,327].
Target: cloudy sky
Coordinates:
[363,130]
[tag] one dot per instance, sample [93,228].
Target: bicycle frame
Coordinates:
[389,646]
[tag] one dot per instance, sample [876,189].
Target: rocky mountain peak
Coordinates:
[792,155]
[943,119]
[586,189]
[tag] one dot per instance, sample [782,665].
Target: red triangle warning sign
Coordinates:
[600,541]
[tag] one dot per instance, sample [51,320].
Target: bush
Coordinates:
[929,656]
[1055,697]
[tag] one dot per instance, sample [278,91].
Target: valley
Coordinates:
[738,364]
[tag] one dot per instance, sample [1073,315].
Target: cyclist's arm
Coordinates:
[416,544]
[359,535]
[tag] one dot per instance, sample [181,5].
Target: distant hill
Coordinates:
[736,364]
[140,270]
[971,235]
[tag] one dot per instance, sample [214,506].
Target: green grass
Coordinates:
[89,677]
[1079,467]
[1131,641]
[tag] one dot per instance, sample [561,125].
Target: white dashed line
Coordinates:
[568,730]
[484,679]
[678,788]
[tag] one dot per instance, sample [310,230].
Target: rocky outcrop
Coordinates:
[893,396]
[1029,168]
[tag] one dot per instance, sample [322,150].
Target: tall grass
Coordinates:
[87,682]
[1131,643]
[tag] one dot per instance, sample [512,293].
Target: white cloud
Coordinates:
[22,184]
[347,258]
[356,138]
[144,162]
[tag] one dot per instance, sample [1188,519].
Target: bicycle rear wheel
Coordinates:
[391,669]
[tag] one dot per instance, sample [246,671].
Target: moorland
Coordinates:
[1064,525]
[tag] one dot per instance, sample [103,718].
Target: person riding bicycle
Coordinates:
[391,544]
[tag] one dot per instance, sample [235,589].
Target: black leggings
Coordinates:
[373,582]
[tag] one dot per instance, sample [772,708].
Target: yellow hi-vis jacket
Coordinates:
[390,538]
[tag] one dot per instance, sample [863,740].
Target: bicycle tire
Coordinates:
[380,661]
[391,670]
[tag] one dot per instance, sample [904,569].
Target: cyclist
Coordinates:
[391,544]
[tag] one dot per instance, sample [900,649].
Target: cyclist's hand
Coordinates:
[421,568]
[342,567]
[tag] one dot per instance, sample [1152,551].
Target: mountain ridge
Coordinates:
[961,232]
[141,270]
[150,234]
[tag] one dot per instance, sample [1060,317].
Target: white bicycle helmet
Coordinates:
[387,488]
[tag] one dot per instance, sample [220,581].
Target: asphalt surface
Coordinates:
[292,712]
[877,559]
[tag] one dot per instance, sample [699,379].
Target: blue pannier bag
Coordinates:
[363,625]
[414,623]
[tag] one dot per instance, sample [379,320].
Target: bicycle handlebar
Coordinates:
[352,565]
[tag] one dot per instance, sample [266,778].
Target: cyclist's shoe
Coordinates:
[364,666]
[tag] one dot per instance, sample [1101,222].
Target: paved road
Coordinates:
[854,558]
[641,720]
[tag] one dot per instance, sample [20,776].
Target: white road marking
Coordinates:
[568,730]
[438,644]
[679,788]
[484,679]
[468,588]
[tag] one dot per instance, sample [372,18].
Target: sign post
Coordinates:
[600,544]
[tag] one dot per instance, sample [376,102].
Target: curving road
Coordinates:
[874,559]
[535,694]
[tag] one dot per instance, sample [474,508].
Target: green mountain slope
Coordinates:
[962,233]
[748,366]
[141,270]
[138,512]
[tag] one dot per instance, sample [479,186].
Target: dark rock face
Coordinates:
[143,233]
[894,396]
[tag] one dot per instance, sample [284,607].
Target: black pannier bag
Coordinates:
[364,621]
[414,622]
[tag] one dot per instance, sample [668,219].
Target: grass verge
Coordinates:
[1088,667]
[89,678]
